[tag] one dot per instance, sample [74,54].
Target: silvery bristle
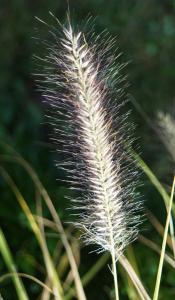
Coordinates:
[82,85]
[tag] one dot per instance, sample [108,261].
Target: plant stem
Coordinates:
[114,272]
[159,273]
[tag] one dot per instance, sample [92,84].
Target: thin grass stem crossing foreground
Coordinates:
[159,273]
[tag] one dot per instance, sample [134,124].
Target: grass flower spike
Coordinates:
[82,86]
[166,131]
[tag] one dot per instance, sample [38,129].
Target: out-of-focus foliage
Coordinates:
[146,36]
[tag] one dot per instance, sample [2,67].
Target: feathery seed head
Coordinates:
[166,131]
[82,85]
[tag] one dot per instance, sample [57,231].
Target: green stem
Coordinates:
[159,273]
[114,271]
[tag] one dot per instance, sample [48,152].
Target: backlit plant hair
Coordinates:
[82,85]
[166,131]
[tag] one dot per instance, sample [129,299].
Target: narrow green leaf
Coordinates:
[159,273]
[7,256]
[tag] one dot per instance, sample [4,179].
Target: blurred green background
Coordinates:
[146,36]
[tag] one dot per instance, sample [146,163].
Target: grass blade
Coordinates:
[131,291]
[18,159]
[147,242]
[159,273]
[7,256]
[57,288]
[133,276]
[161,191]
[159,227]
[27,276]
[101,262]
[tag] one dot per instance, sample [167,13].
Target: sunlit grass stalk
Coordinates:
[156,248]
[161,191]
[159,227]
[56,285]
[159,273]
[7,256]
[131,291]
[133,276]
[15,157]
[26,276]
[166,134]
